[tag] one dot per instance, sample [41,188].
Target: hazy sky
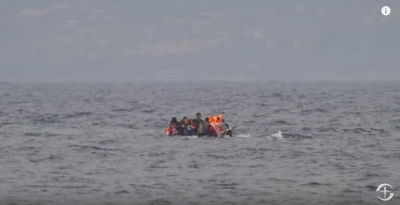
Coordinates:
[188,40]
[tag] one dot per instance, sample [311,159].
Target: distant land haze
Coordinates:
[252,40]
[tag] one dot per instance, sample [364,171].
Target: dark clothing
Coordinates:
[199,126]
[202,130]
[180,130]
[229,132]
[198,121]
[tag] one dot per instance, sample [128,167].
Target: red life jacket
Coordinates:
[212,129]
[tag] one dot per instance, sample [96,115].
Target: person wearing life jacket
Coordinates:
[172,130]
[219,126]
[209,129]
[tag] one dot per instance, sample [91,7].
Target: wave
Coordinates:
[239,136]
[242,135]
[276,136]
[193,136]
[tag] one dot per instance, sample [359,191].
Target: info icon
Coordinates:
[385,10]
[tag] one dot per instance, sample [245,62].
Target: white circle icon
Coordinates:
[385,191]
[385,10]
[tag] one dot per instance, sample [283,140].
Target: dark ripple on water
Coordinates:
[99,143]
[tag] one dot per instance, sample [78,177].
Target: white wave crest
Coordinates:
[193,136]
[276,136]
[242,135]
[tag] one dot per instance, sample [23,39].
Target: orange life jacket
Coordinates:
[215,121]
[210,119]
[166,130]
[220,118]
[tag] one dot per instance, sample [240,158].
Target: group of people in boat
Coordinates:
[212,126]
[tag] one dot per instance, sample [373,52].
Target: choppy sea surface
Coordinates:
[103,143]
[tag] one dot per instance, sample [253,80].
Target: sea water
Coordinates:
[103,143]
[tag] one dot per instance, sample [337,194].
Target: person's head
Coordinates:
[206,121]
[198,116]
[174,120]
[186,120]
